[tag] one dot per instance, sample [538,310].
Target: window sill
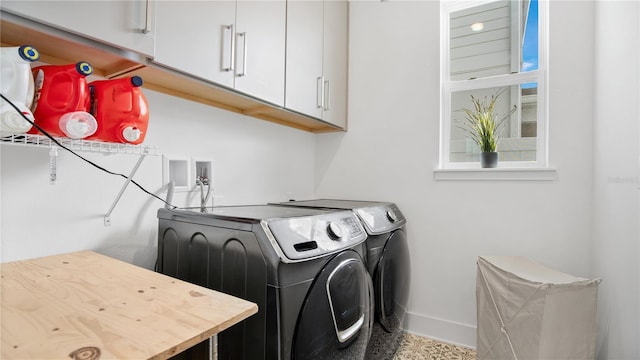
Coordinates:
[496,174]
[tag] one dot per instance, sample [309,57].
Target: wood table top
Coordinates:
[84,305]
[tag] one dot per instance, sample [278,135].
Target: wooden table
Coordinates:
[85,305]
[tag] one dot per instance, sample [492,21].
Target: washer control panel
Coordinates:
[312,236]
[381,219]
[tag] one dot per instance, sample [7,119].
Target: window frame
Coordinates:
[448,86]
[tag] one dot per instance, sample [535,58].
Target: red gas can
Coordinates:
[63,90]
[121,110]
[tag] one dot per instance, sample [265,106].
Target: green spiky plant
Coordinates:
[482,125]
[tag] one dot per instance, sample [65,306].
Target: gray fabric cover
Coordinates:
[529,311]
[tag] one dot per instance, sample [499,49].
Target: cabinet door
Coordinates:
[260,49]
[196,37]
[336,19]
[125,23]
[304,57]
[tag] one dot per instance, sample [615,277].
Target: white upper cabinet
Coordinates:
[237,44]
[316,74]
[196,37]
[335,62]
[260,49]
[304,57]
[126,24]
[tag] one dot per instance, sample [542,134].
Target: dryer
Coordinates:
[388,262]
[303,267]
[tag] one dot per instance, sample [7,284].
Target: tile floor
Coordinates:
[414,347]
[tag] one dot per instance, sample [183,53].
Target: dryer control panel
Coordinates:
[381,219]
[302,238]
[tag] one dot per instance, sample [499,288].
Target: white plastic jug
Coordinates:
[16,83]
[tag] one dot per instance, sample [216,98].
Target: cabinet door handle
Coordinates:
[231,48]
[319,92]
[243,35]
[147,28]
[327,95]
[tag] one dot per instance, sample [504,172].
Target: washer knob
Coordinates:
[391,215]
[334,230]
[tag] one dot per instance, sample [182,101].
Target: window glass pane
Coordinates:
[481,41]
[495,38]
[530,42]
[529,113]
[516,131]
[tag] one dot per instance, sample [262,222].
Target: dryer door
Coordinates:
[335,320]
[391,282]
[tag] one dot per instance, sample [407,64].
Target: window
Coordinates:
[491,47]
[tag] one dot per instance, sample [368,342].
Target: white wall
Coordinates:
[616,251]
[391,150]
[254,161]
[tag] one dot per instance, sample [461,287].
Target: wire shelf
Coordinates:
[79,144]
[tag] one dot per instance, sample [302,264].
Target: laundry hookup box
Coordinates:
[529,311]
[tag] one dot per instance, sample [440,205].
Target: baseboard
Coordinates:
[442,330]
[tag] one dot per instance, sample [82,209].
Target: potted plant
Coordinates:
[485,127]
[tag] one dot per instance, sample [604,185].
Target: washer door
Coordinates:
[335,320]
[391,282]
